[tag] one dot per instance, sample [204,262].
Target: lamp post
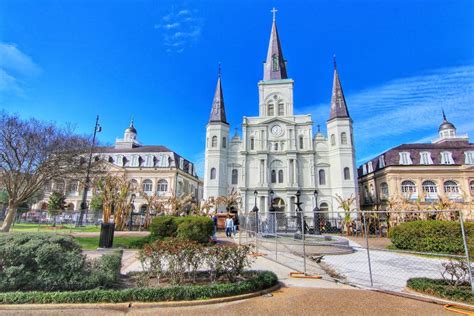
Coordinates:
[97,129]
[272,211]
[132,208]
[299,219]
[255,209]
[316,216]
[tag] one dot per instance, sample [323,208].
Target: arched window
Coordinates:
[333,139]
[134,184]
[429,187]
[59,186]
[451,187]
[213,173]
[147,186]
[276,146]
[224,142]
[408,187]
[274,176]
[252,143]
[301,142]
[322,177]
[471,187]
[72,188]
[343,138]
[214,141]
[162,186]
[280,176]
[384,190]
[324,209]
[235,176]
[281,109]
[347,174]
[271,109]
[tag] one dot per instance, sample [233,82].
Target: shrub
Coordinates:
[432,236]
[178,259]
[443,289]
[50,262]
[196,228]
[260,280]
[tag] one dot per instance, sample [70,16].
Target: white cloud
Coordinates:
[15,66]
[180,30]
[408,109]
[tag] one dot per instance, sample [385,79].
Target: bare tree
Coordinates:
[32,153]
[229,201]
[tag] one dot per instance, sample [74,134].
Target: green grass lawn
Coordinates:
[70,228]
[91,243]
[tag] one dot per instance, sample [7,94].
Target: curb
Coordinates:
[126,306]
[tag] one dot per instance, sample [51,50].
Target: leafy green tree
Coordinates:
[56,204]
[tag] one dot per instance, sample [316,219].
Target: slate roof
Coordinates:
[392,157]
[218,108]
[338,101]
[274,53]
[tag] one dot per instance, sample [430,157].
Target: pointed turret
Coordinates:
[218,109]
[275,65]
[338,102]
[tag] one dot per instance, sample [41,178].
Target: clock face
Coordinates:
[277,130]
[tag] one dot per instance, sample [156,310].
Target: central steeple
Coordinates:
[218,109]
[275,65]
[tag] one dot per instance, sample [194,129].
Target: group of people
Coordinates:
[231,225]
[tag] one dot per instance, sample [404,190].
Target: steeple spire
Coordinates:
[275,65]
[444,116]
[218,109]
[338,102]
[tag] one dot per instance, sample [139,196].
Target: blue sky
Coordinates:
[400,62]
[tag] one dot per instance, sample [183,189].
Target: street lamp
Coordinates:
[299,215]
[132,208]
[272,210]
[97,129]
[316,217]
[255,209]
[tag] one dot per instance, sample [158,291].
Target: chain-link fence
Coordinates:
[359,247]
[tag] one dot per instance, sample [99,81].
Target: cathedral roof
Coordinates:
[218,108]
[338,101]
[275,65]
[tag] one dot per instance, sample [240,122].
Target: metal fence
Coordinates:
[351,247]
[71,218]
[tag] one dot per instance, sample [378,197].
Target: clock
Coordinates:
[277,130]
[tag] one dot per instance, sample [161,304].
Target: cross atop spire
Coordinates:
[275,65]
[218,109]
[444,115]
[338,102]
[274,11]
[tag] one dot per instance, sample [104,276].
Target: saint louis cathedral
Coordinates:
[278,153]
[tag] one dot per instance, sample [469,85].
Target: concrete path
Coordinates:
[390,270]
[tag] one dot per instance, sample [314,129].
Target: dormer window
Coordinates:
[405,158]
[364,169]
[425,158]
[370,167]
[181,163]
[447,158]
[134,162]
[381,161]
[149,161]
[469,157]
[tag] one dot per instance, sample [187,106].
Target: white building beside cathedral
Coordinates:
[278,151]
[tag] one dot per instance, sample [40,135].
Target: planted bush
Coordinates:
[178,260]
[50,262]
[256,281]
[432,236]
[443,289]
[196,228]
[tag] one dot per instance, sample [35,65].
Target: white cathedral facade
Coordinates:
[278,154]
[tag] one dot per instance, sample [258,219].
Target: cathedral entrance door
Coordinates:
[279,209]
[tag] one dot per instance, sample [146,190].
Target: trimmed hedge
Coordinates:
[440,288]
[195,228]
[262,281]
[50,262]
[433,236]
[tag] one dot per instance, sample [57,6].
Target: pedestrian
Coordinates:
[214,231]
[236,224]
[229,226]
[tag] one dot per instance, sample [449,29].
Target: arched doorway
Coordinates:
[278,218]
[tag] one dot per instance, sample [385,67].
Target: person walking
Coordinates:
[214,231]
[229,226]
